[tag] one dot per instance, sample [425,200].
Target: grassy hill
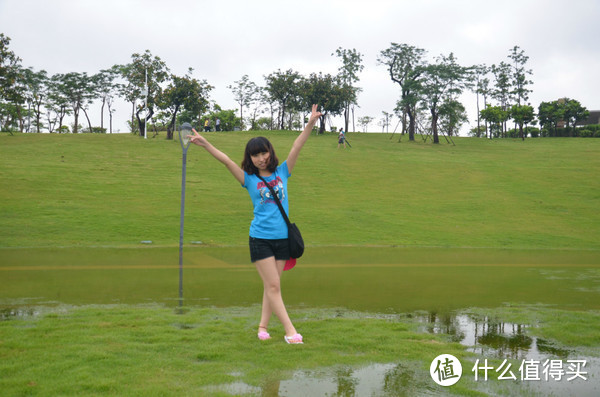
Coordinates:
[117,190]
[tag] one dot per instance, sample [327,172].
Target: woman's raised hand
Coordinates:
[315,114]
[198,139]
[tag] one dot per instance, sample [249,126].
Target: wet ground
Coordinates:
[432,286]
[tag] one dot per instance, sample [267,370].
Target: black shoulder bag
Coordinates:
[295,240]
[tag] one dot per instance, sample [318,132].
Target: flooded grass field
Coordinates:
[378,279]
[474,297]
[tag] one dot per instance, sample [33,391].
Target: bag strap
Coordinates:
[285,217]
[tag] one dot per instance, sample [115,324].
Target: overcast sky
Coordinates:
[225,39]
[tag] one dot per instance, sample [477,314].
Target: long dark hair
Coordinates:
[260,144]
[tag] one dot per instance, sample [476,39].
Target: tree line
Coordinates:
[430,95]
[32,101]
[429,102]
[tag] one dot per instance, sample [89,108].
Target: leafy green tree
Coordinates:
[477,132]
[228,118]
[452,116]
[107,88]
[549,115]
[328,92]
[522,115]
[365,121]
[520,82]
[245,92]
[135,73]
[12,94]
[57,104]
[78,90]
[502,87]
[441,82]
[282,88]
[481,86]
[565,110]
[183,93]
[386,120]
[496,117]
[270,104]
[35,90]
[263,123]
[259,105]
[405,66]
[348,74]
[573,113]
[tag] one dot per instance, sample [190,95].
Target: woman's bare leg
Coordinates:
[270,271]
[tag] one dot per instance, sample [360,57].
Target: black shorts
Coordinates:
[262,248]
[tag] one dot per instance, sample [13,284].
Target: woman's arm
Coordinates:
[235,169]
[299,142]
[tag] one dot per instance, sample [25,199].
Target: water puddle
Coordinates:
[491,338]
[487,337]
[372,380]
[9,313]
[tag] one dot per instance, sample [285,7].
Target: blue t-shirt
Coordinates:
[268,223]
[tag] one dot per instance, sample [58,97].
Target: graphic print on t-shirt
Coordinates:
[265,192]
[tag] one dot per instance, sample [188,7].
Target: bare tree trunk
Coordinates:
[171,127]
[76,116]
[38,115]
[346,117]
[478,122]
[434,126]
[282,122]
[109,114]
[102,114]
[88,119]
[411,123]
[61,116]
[133,114]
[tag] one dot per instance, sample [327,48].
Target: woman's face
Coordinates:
[261,160]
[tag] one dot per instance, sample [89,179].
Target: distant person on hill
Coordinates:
[207,125]
[269,249]
[342,138]
[218,125]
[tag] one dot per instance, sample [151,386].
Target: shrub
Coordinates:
[96,130]
[534,132]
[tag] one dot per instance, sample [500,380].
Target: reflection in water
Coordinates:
[506,339]
[446,324]
[373,380]
[490,337]
[9,313]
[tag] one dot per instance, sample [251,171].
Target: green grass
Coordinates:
[117,190]
[150,350]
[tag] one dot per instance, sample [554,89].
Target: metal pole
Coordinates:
[183,169]
[146,106]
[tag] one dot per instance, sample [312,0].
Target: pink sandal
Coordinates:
[263,335]
[294,339]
